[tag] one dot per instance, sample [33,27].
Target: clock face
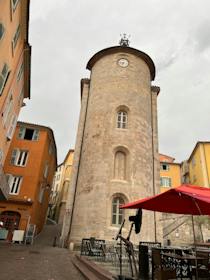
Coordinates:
[123,62]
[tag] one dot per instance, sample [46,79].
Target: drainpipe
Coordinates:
[207,172]
[156,90]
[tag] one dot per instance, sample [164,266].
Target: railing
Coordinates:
[4,187]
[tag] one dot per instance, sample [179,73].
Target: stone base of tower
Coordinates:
[147,233]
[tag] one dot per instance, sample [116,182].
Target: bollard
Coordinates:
[143,262]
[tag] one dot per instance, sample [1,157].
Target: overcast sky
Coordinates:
[64,34]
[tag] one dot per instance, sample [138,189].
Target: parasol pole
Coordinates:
[200,213]
[194,239]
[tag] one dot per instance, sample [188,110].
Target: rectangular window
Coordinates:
[7,110]
[15,38]
[14,4]
[165,182]
[21,97]
[12,127]
[19,157]
[193,162]
[28,133]
[14,184]
[3,77]
[41,195]
[1,156]
[51,148]
[2,30]
[164,166]
[46,169]
[20,72]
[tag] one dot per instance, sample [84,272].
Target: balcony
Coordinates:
[4,187]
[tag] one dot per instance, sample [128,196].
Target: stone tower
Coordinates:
[116,154]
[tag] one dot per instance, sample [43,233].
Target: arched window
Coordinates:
[122,119]
[117,213]
[120,165]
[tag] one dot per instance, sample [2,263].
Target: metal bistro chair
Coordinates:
[159,271]
[96,248]
[203,265]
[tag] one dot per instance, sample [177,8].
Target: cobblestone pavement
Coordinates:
[40,261]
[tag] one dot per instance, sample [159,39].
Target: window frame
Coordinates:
[12,126]
[21,97]
[8,108]
[4,76]
[22,132]
[14,184]
[122,119]
[16,37]
[41,194]
[164,179]
[19,157]
[46,170]
[1,156]
[2,31]
[14,5]
[164,164]
[119,212]
[20,72]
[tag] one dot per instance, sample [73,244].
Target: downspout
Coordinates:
[153,165]
[206,164]
[74,197]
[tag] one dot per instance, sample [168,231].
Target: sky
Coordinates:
[65,34]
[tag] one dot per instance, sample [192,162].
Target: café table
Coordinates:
[182,263]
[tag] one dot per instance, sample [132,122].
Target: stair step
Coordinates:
[90,268]
[84,270]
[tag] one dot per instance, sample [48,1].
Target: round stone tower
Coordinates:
[116,154]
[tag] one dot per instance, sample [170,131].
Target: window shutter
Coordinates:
[3,77]
[9,178]
[35,134]
[1,156]
[21,132]
[12,126]
[14,156]
[46,169]
[1,30]
[41,195]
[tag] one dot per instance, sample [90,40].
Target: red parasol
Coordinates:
[185,199]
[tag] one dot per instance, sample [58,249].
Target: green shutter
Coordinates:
[35,134]
[14,156]
[21,133]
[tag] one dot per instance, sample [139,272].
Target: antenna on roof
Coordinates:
[124,41]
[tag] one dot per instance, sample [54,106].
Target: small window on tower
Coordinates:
[164,166]
[117,213]
[122,119]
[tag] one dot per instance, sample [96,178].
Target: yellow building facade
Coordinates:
[199,165]
[60,187]
[15,57]
[170,173]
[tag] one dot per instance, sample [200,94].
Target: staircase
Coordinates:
[177,222]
